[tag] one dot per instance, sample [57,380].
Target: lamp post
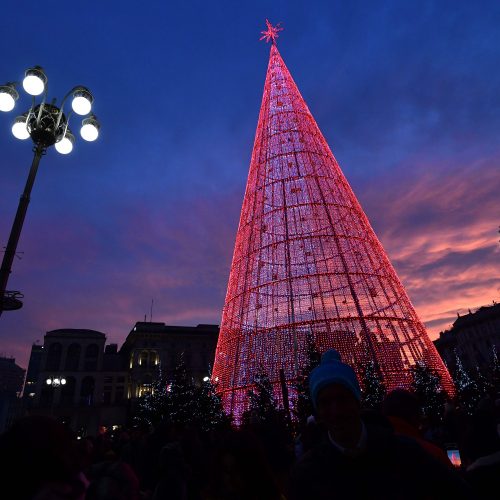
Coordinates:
[47,125]
[54,382]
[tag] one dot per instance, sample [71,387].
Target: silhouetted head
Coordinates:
[330,371]
[36,453]
[403,404]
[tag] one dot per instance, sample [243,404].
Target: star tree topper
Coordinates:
[271,33]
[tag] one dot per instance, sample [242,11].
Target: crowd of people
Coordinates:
[342,451]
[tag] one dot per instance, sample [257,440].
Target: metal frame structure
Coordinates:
[307,263]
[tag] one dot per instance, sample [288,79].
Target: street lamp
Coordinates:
[56,381]
[47,125]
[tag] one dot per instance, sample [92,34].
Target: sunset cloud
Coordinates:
[441,233]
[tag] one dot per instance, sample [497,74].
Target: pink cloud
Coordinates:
[440,231]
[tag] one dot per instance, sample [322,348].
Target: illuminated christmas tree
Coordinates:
[427,386]
[372,386]
[306,259]
[153,407]
[262,403]
[468,392]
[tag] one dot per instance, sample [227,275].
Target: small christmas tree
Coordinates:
[484,384]
[153,407]
[304,406]
[468,393]
[209,413]
[494,371]
[262,408]
[182,404]
[373,387]
[427,386]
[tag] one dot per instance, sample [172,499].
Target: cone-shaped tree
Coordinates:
[306,258]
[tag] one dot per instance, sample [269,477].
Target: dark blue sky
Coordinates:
[406,93]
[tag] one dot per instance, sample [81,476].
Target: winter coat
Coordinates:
[391,467]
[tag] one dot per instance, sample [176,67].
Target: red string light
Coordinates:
[306,260]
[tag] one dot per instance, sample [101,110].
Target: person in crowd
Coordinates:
[112,480]
[40,460]
[483,448]
[175,474]
[456,427]
[403,411]
[240,470]
[309,437]
[364,460]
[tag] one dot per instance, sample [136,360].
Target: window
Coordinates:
[87,391]
[119,394]
[108,380]
[73,357]
[106,397]
[143,359]
[54,357]
[120,380]
[68,392]
[91,356]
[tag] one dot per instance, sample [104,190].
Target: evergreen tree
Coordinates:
[373,387]
[485,385]
[494,372]
[426,385]
[262,408]
[153,407]
[468,393]
[304,407]
[209,413]
[181,401]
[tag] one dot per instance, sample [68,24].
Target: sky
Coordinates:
[141,223]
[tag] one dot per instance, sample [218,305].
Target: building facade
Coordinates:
[77,378]
[11,386]
[473,337]
[151,346]
[34,366]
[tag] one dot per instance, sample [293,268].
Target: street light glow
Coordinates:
[82,101]
[90,129]
[34,81]
[8,97]
[49,381]
[7,102]
[65,145]
[19,129]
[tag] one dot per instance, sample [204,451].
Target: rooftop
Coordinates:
[75,332]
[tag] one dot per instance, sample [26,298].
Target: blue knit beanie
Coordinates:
[332,371]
